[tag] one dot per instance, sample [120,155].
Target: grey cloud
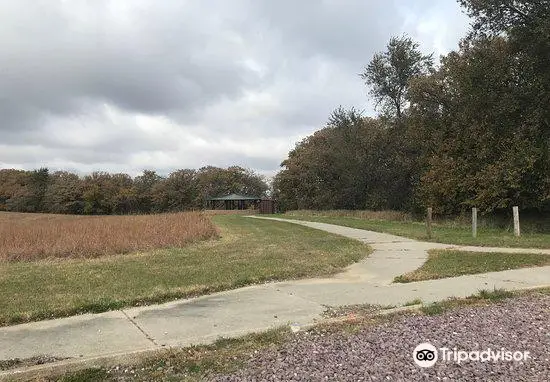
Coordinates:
[149,68]
[347,30]
[216,69]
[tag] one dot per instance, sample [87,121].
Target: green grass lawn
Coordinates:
[451,263]
[442,233]
[249,251]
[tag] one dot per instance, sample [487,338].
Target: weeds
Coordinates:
[193,363]
[433,309]
[416,301]
[402,279]
[494,295]
[483,296]
[86,375]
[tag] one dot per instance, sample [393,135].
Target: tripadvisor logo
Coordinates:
[426,355]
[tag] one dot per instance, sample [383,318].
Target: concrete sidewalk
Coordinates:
[256,308]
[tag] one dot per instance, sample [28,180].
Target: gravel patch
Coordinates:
[384,352]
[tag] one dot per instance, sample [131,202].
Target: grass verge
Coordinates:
[482,297]
[449,233]
[249,251]
[451,263]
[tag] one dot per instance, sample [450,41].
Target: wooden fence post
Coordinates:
[474,222]
[429,222]
[517,232]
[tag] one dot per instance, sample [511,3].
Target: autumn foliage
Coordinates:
[101,193]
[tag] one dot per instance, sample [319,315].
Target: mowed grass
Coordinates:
[29,237]
[451,263]
[249,251]
[445,232]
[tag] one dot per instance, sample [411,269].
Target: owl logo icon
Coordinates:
[425,355]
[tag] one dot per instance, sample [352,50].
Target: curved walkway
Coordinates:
[259,307]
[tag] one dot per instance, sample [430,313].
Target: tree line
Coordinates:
[472,131]
[104,193]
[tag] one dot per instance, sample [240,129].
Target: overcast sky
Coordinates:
[127,85]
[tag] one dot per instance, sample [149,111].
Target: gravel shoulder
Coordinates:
[384,351]
[362,347]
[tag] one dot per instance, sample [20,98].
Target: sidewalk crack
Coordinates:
[140,329]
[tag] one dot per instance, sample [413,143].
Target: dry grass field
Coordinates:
[29,237]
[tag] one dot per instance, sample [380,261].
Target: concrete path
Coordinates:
[256,308]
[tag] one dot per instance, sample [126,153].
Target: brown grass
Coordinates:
[28,237]
[360,214]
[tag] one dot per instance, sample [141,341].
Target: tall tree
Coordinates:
[492,17]
[13,190]
[98,193]
[64,194]
[37,184]
[123,198]
[483,131]
[389,72]
[526,24]
[178,192]
[143,190]
[349,164]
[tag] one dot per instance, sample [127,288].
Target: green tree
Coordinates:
[388,74]
[516,17]
[104,193]
[350,164]
[143,190]
[123,199]
[37,184]
[98,193]
[178,192]
[526,25]
[483,133]
[215,181]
